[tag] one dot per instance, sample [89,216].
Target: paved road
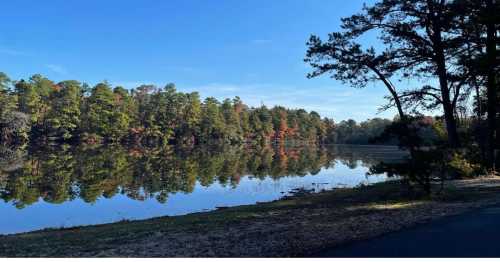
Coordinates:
[473,234]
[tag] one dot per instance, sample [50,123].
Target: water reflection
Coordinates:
[59,174]
[64,174]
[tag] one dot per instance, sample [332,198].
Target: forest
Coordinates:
[41,111]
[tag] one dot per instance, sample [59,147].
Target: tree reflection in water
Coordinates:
[63,173]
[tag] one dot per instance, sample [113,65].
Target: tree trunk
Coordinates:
[402,115]
[440,61]
[478,101]
[491,82]
[449,116]
[392,90]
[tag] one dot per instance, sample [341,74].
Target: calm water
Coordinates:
[68,186]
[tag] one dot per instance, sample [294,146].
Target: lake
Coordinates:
[68,186]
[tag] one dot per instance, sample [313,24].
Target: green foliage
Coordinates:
[102,115]
[366,132]
[34,98]
[71,111]
[212,122]
[461,165]
[7,101]
[64,117]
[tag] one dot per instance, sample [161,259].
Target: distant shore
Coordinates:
[294,226]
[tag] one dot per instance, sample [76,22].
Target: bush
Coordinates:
[461,166]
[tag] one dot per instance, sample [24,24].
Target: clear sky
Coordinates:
[223,48]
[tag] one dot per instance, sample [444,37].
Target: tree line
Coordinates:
[448,49]
[40,110]
[362,133]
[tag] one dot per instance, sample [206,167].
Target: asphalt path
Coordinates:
[472,234]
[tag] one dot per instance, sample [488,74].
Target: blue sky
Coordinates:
[223,48]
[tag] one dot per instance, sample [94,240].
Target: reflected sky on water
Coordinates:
[70,186]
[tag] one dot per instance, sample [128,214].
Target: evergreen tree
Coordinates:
[64,116]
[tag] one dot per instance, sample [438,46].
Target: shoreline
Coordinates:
[294,226]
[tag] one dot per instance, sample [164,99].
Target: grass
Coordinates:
[289,224]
